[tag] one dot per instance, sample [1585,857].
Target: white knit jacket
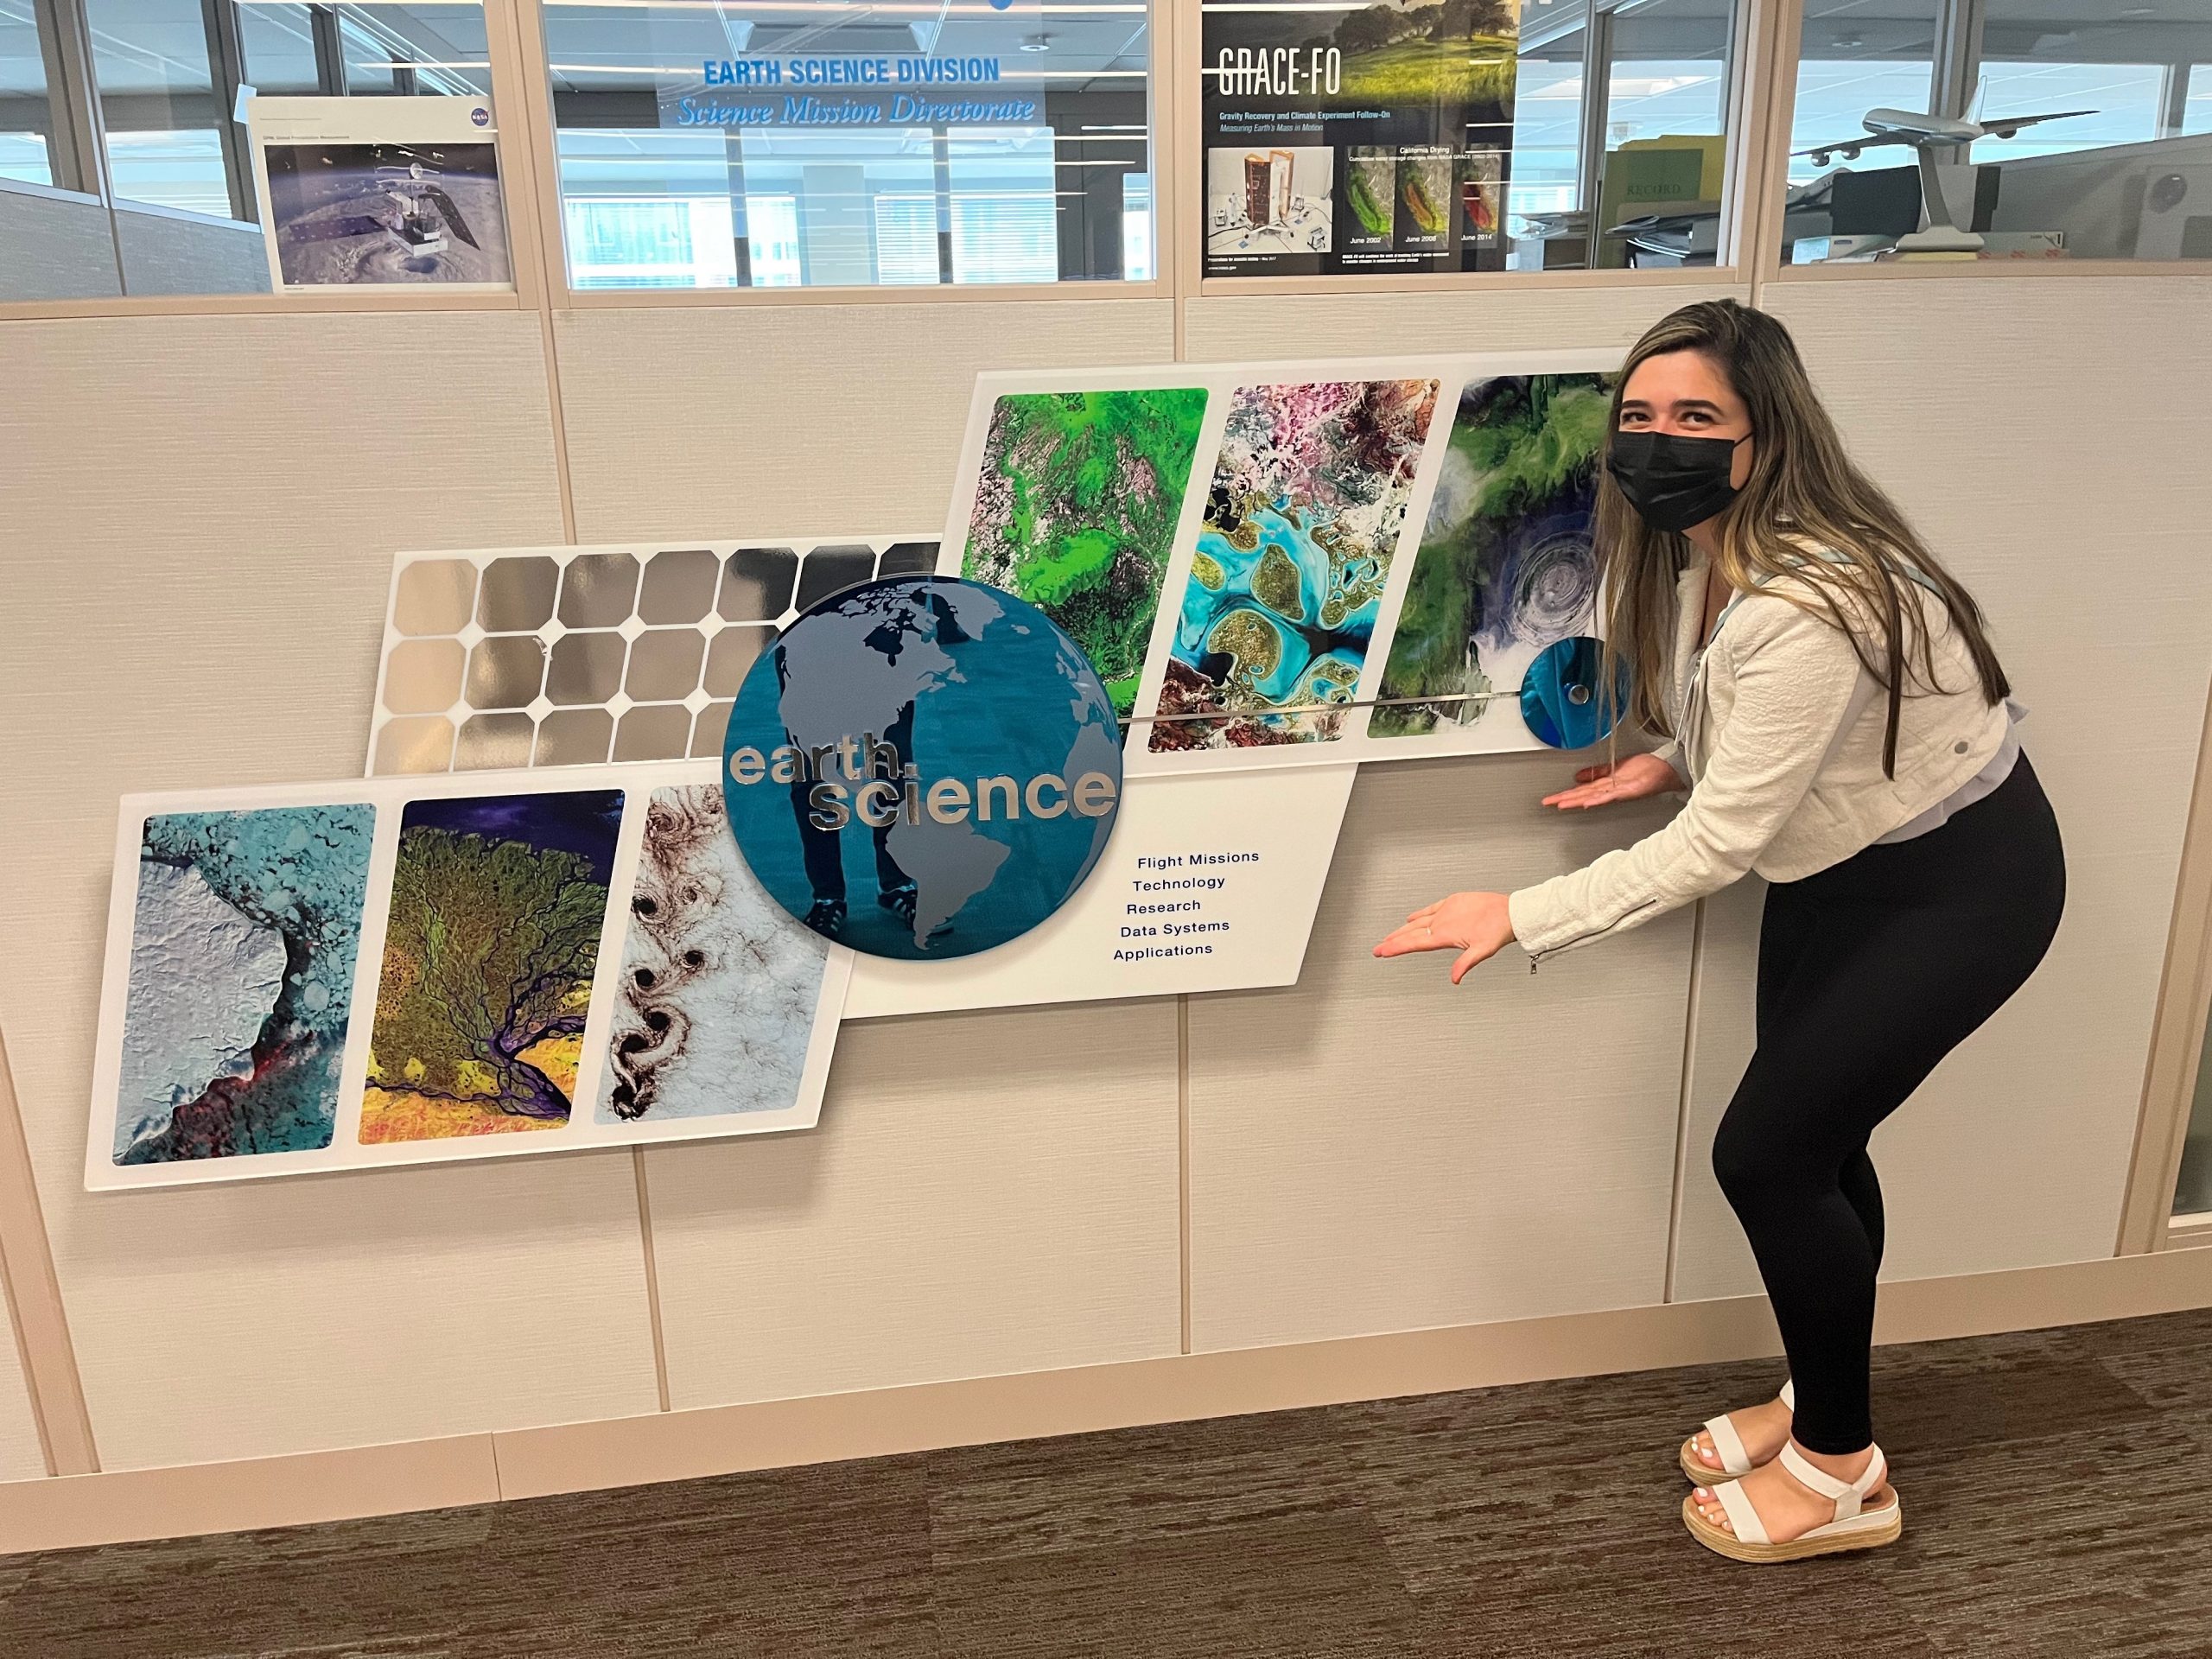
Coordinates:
[1783,786]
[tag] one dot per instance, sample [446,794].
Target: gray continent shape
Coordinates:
[826,699]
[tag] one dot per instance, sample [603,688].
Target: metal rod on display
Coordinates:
[1325,708]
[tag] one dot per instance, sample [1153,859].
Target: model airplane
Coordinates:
[1925,131]
[1924,135]
[425,213]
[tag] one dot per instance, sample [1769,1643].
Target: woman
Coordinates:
[1843,728]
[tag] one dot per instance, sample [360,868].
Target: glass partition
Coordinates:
[792,143]
[167,118]
[1635,178]
[2013,129]
[26,111]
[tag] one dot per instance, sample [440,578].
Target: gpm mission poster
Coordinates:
[1374,139]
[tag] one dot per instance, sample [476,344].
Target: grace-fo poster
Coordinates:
[1357,138]
[347,976]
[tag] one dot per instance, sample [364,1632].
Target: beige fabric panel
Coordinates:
[1375,1150]
[700,420]
[20,1456]
[986,1193]
[218,500]
[2049,438]
[1227,329]
[1711,1257]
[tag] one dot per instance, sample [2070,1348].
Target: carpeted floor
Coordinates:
[2058,1488]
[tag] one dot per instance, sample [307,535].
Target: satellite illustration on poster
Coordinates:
[1361,138]
[363,191]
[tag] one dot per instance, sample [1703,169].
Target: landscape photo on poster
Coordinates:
[491,941]
[244,936]
[1303,514]
[1506,565]
[1075,510]
[720,989]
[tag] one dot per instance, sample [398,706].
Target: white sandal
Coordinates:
[1855,1526]
[1734,1461]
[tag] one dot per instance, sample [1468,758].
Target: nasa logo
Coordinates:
[1000,5]
[480,116]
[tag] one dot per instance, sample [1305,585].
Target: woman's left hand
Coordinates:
[1476,924]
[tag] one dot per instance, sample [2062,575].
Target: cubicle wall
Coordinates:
[214,501]
[20,1456]
[2049,438]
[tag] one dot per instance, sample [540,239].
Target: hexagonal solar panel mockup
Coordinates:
[567,656]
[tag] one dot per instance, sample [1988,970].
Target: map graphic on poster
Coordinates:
[1371,138]
[922,766]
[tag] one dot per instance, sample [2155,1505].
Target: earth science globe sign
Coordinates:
[922,767]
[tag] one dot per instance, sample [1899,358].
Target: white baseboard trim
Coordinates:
[69,1511]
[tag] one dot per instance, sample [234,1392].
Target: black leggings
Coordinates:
[1869,973]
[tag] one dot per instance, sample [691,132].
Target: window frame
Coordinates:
[1955,80]
[2177,1030]
[553,254]
[1759,102]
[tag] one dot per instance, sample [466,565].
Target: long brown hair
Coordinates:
[1806,511]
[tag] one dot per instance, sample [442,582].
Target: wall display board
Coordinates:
[1357,138]
[1208,886]
[359,191]
[1366,556]
[396,970]
[565,655]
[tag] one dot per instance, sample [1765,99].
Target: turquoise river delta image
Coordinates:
[1303,516]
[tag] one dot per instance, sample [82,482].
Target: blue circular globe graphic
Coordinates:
[922,767]
[1563,697]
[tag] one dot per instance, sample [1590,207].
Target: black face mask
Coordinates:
[1671,481]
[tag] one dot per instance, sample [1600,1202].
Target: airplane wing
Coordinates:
[1849,148]
[2007,125]
[445,205]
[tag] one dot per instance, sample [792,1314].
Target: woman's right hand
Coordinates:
[1627,780]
